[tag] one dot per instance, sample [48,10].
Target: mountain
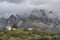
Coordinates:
[11,20]
[38,19]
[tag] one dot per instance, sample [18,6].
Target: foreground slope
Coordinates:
[26,34]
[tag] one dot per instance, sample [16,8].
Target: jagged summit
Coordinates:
[37,19]
[12,16]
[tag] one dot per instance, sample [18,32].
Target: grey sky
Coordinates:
[8,7]
[15,1]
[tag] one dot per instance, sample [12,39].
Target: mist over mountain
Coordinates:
[9,7]
[37,19]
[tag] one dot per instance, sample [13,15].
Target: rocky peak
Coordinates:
[12,16]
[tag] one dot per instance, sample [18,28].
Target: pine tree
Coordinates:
[14,26]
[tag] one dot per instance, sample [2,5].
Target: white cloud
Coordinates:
[8,7]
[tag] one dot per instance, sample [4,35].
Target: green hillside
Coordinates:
[20,34]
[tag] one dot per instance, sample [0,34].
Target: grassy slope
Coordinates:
[28,35]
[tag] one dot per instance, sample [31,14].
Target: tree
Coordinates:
[54,38]
[44,38]
[14,26]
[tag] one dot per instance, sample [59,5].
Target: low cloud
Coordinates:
[12,1]
[8,7]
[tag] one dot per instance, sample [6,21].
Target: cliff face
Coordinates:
[37,19]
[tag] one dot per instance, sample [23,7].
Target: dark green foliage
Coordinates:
[44,38]
[53,38]
[14,26]
[20,34]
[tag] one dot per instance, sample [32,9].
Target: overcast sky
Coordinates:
[8,7]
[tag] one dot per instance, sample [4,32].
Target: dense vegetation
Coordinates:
[25,34]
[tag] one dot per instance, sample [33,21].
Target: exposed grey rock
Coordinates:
[38,19]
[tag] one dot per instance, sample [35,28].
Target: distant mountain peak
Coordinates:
[38,19]
[12,16]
